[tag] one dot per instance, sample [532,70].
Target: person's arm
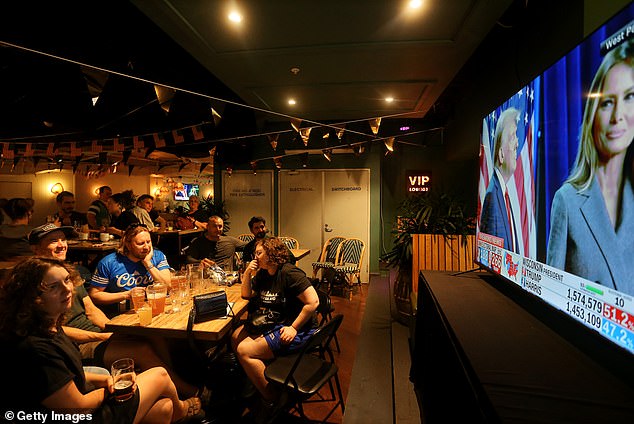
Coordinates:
[84,336]
[158,275]
[246,290]
[92,219]
[115,231]
[69,398]
[100,296]
[99,380]
[162,223]
[94,314]
[311,301]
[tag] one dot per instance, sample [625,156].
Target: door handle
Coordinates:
[327,229]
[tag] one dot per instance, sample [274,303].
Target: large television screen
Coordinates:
[556,196]
[183,191]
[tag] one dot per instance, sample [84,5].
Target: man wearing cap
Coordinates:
[85,322]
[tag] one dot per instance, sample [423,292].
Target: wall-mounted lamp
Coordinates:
[57,188]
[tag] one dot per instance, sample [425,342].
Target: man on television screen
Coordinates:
[497,215]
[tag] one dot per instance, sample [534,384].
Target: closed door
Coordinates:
[315,205]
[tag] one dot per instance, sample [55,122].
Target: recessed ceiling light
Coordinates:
[415,4]
[235,16]
[292,102]
[389,99]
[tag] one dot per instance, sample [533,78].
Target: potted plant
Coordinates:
[215,207]
[425,213]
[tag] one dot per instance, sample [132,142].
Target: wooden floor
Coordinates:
[348,336]
[382,371]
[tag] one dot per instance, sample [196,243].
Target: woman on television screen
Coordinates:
[592,216]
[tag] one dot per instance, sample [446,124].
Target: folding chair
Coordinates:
[303,374]
[325,310]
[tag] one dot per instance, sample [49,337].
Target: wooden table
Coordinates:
[299,253]
[174,325]
[89,252]
[88,246]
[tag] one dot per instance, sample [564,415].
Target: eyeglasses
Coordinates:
[134,225]
[56,285]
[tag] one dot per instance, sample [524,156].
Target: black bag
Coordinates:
[262,320]
[209,306]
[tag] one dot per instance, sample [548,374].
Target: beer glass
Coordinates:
[123,377]
[156,294]
[145,315]
[138,297]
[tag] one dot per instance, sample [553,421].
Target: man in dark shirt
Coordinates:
[257,225]
[66,213]
[213,248]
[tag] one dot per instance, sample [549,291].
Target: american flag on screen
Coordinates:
[521,186]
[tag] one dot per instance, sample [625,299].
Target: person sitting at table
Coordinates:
[144,205]
[272,284]
[214,248]
[197,216]
[257,226]
[44,368]
[98,216]
[118,207]
[49,240]
[66,213]
[135,263]
[13,235]
[85,322]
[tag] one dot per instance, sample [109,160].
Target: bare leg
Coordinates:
[158,399]
[145,357]
[251,354]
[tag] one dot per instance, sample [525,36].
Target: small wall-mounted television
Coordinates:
[556,189]
[182,192]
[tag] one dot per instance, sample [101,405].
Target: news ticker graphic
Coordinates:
[607,311]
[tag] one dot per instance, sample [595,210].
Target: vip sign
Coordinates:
[418,181]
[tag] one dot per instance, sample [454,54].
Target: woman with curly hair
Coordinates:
[273,284]
[42,368]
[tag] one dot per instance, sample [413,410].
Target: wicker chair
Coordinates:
[246,237]
[290,242]
[328,258]
[350,258]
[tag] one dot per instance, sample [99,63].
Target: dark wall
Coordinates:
[531,36]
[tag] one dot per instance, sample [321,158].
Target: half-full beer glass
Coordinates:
[123,377]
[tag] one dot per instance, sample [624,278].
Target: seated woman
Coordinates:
[197,216]
[46,373]
[272,283]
